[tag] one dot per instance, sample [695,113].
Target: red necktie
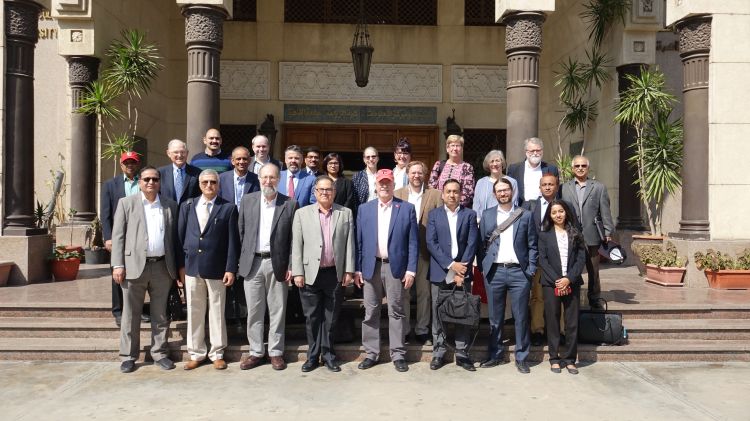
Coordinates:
[290,186]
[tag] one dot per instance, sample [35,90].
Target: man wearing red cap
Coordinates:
[113,190]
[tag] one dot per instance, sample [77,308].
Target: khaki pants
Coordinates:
[202,295]
[536,306]
[422,287]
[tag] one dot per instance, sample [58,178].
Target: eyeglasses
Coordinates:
[150,179]
[206,182]
[324,191]
[580,165]
[333,163]
[535,151]
[371,156]
[503,191]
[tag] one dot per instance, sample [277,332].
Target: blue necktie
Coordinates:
[238,191]
[178,185]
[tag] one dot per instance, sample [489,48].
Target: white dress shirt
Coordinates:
[371,186]
[204,206]
[453,228]
[505,253]
[416,200]
[384,223]
[399,177]
[154,226]
[562,247]
[531,178]
[267,210]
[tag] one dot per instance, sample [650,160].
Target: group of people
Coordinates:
[241,218]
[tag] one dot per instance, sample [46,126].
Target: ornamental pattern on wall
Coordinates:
[335,82]
[245,79]
[479,84]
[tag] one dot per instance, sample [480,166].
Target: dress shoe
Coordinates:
[332,365]
[523,367]
[466,364]
[165,364]
[220,364]
[401,366]
[367,363]
[492,362]
[127,366]
[436,363]
[118,321]
[310,365]
[145,318]
[537,339]
[572,369]
[423,338]
[193,364]
[278,363]
[556,370]
[252,361]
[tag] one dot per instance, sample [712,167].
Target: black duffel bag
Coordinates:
[458,306]
[601,327]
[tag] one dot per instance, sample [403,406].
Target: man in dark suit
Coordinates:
[312,162]
[262,154]
[508,261]
[452,238]
[591,200]
[144,259]
[294,182]
[179,179]
[387,254]
[207,262]
[529,172]
[266,231]
[239,182]
[113,190]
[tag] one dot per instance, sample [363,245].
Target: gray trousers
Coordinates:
[383,284]
[422,289]
[261,288]
[438,335]
[156,280]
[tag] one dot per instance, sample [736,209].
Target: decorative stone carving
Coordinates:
[523,70]
[203,65]
[479,84]
[82,70]
[523,31]
[204,25]
[695,35]
[22,19]
[245,79]
[335,82]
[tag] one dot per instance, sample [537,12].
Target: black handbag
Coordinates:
[176,305]
[601,327]
[459,307]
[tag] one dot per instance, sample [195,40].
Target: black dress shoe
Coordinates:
[556,370]
[492,362]
[145,318]
[127,366]
[523,367]
[572,369]
[367,363]
[466,364]
[310,365]
[165,364]
[423,338]
[436,363]
[401,366]
[332,365]
[537,339]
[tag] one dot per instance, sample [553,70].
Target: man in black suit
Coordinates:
[113,190]
[239,182]
[179,180]
[207,262]
[529,172]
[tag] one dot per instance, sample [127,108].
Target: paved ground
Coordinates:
[603,391]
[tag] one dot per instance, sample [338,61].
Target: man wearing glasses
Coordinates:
[322,266]
[402,155]
[529,172]
[144,259]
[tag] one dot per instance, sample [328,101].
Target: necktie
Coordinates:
[290,186]
[203,213]
[238,191]
[178,185]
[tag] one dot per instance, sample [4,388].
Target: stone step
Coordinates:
[681,311]
[713,329]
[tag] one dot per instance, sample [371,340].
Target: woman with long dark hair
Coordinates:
[334,168]
[562,257]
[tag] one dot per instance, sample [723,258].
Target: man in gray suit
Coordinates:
[143,259]
[322,265]
[591,201]
[265,224]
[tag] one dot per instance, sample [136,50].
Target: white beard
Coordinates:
[534,160]
[269,191]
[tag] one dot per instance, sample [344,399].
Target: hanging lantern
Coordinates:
[361,53]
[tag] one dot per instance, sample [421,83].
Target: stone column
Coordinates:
[630,206]
[695,45]
[523,45]
[204,38]
[82,70]
[21,36]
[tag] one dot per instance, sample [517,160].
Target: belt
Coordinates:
[264,255]
[507,265]
[382,260]
[327,267]
[154,259]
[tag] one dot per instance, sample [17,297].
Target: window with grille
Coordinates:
[244,10]
[233,135]
[479,13]
[386,12]
[477,142]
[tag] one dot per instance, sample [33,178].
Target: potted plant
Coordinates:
[5,268]
[70,246]
[723,271]
[65,263]
[662,265]
[94,252]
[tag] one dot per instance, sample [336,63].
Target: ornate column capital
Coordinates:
[22,20]
[204,26]
[695,35]
[523,32]
[82,70]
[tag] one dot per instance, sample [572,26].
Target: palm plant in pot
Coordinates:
[662,265]
[724,271]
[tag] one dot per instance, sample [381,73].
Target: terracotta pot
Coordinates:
[728,279]
[665,276]
[66,269]
[78,249]
[643,239]
[5,268]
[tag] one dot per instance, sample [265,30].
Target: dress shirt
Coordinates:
[399,177]
[131,186]
[562,247]
[179,185]
[370,185]
[384,223]
[204,206]
[453,227]
[239,188]
[326,254]
[580,192]
[531,178]
[416,200]
[505,253]
[257,164]
[154,226]
[267,210]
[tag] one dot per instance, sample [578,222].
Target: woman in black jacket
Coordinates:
[334,168]
[562,257]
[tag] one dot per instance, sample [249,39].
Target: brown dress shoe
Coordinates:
[220,364]
[251,362]
[192,364]
[278,363]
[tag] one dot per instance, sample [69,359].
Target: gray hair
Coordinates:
[175,142]
[293,148]
[492,155]
[258,138]
[534,140]
[208,171]
[270,164]
[580,157]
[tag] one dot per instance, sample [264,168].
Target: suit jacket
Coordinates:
[595,203]
[226,185]
[303,192]
[281,233]
[524,242]
[517,171]
[361,186]
[439,241]
[345,193]
[130,237]
[215,250]
[307,242]
[190,187]
[403,245]
[112,191]
[534,206]
[550,263]
[431,199]
[271,160]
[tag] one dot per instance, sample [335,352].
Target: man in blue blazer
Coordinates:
[452,238]
[240,181]
[508,257]
[293,178]
[386,263]
[179,174]
[208,260]
[528,172]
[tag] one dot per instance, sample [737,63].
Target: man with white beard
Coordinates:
[529,172]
